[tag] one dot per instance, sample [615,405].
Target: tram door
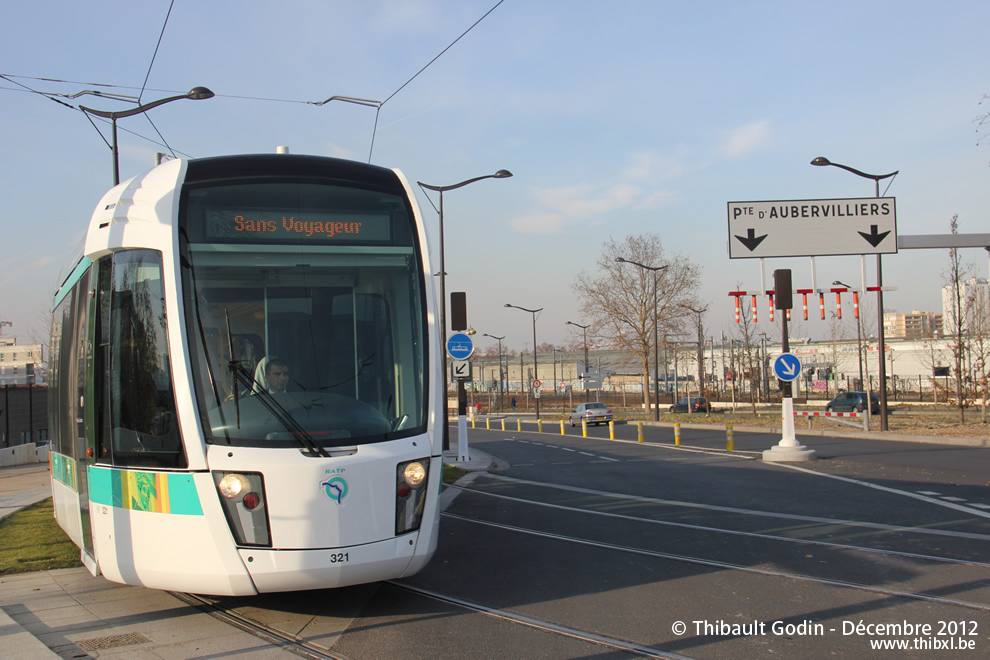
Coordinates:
[83,398]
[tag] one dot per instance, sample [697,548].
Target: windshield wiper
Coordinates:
[241,375]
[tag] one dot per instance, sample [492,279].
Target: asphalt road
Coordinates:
[585,547]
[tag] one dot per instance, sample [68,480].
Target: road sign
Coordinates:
[537,384]
[811,228]
[787,367]
[460,346]
[461,369]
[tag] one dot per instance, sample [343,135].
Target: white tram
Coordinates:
[245,389]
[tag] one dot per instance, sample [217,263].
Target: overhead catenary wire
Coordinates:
[56,96]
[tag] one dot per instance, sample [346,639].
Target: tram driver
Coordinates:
[272,376]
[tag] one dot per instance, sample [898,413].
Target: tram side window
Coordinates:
[67,422]
[61,402]
[144,430]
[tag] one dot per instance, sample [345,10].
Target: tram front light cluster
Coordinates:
[410,494]
[242,495]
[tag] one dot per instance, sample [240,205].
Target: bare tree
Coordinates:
[982,122]
[619,298]
[979,346]
[954,276]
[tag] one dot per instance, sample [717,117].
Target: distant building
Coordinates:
[974,295]
[20,364]
[916,325]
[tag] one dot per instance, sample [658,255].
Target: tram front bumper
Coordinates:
[299,570]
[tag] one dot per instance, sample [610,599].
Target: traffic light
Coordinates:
[782,289]
[458,311]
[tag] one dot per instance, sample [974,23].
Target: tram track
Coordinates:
[286,641]
[306,649]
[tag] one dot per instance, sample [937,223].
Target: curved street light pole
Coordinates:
[822,161]
[584,328]
[536,367]
[195,94]
[656,333]
[501,174]
[501,389]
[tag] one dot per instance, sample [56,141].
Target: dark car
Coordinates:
[594,413]
[853,402]
[698,404]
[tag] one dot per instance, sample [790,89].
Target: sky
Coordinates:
[617,119]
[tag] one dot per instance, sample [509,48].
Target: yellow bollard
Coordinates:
[562,427]
[611,430]
[677,433]
[488,423]
[584,428]
[539,426]
[639,431]
[473,421]
[730,443]
[503,423]
[519,424]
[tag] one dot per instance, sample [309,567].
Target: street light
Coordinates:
[195,94]
[501,174]
[701,352]
[822,161]
[501,389]
[536,369]
[584,329]
[656,333]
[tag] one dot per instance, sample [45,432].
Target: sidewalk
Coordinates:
[23,485]
[69,613]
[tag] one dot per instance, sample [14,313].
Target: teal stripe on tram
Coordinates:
[183,497]
[71,280]
[153,492]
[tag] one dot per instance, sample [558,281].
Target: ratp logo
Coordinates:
[335,488]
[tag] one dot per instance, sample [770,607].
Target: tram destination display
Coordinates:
[261,226]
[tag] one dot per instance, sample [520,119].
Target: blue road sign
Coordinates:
[787,367]
[460,346]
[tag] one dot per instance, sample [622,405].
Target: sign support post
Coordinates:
[460,347]
[788,368]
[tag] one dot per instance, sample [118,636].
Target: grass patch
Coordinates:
[452,474]
[31,540]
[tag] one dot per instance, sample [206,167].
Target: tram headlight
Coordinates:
[232,486]
[410,494]
[415,474]
[242,495]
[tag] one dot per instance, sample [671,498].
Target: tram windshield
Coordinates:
[306,313]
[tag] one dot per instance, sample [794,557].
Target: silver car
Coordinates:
[594,413]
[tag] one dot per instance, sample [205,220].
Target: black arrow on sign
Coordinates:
[873,238]
[752,240]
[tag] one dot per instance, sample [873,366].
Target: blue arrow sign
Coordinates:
[787,367]
[460,346]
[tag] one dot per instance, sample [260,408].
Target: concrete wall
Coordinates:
[23,454]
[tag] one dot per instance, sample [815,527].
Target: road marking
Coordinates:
[905,493]
[721,530]
[767,514]
[728,565]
